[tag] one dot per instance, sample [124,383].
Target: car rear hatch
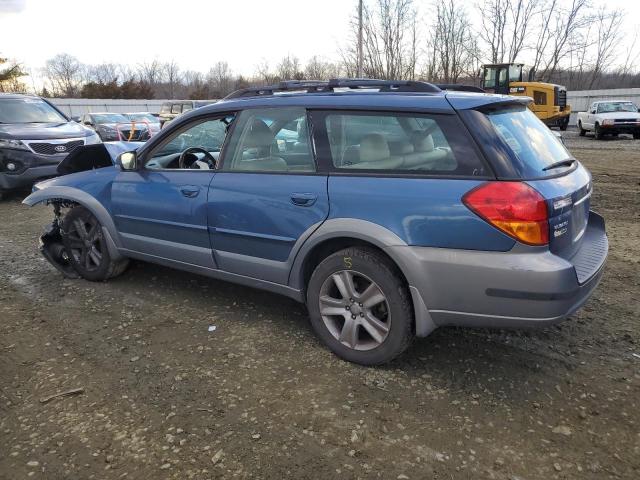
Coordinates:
[521,148]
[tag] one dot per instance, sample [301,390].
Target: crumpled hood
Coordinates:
[43,131]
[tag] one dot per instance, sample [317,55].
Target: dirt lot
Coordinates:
[259,397]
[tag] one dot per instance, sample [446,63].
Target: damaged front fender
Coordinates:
[51,245]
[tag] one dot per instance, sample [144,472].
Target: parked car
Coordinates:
[397,209]
[112,127]
[173,108]
[34,137]
[610,117]
[146,118]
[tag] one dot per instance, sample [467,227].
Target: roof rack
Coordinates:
[459,87]
[316,86]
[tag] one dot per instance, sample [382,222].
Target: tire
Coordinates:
[597,133]
[636,135]
[564,124]
[582,132]
[390,319]
[84,242]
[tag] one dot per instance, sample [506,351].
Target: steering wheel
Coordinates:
[210,159]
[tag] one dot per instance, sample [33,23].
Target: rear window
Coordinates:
[532,145]
[400,143]
[166,108]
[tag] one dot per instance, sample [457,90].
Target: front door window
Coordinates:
[196,147]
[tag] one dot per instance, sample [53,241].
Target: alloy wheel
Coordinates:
[85,243]
[355,310]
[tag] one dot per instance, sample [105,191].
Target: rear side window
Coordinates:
[400,143]
[176,108]
[166,108]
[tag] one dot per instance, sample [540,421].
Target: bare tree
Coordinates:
[522,13]
[455,50]
[150,72]
[172,77]
[389,40]
[560,27]
[264,74]
[289,68]
[631,58]
[609,24]
[103,73]
[319,69]
[220,79]
[65,74]
[493,27]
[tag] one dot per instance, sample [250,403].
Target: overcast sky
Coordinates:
[195,33]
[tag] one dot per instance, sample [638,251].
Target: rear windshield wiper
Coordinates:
[562,163]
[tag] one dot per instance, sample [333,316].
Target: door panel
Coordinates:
[164,213]
[256,219]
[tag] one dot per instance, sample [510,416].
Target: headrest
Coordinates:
[401,148]
[302,130]
[259,135]
[374,148]
[422,142]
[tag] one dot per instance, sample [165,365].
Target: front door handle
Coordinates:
[190,192]
[303,199]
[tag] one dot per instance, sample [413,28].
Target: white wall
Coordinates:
[581,99]
[80,106]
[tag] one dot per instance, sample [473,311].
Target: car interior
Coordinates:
[388,143]
[279,141]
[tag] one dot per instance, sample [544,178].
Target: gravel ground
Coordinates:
[259,397]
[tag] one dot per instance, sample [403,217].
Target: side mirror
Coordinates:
[593,110]
[128,161]
[76,118]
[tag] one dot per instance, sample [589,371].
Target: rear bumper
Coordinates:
[524,287]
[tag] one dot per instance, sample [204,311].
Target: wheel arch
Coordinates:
[80,197]
[337,234]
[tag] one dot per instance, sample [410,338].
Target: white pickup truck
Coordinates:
[610,117]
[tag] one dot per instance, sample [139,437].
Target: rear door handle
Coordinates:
[190,192]
[303,199]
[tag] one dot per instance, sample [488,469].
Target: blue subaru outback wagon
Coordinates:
[389,208]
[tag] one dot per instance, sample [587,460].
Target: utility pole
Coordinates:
[360,74]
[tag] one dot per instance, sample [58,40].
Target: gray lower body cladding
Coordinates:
[524,287]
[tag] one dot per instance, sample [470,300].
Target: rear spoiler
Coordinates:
[459,87]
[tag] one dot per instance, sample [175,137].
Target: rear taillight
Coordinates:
[513,207]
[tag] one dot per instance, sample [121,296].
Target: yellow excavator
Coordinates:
[549,100]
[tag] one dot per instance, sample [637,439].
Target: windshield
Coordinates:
[109,118]
[142,117]
[28,110]
[534,146]
[616,107]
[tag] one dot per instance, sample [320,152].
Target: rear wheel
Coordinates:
[583,132]
[360,307]
[87,250]
[598,132]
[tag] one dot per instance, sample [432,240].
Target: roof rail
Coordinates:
[460,87]
[315,86]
